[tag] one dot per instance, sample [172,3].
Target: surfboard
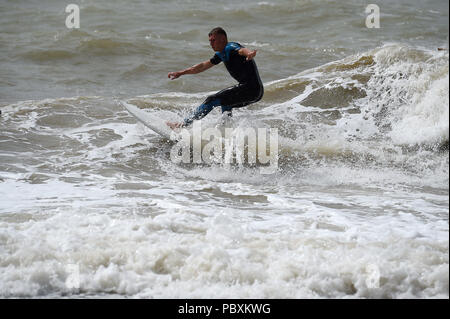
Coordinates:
[153,122]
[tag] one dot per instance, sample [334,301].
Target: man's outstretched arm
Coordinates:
[203,66]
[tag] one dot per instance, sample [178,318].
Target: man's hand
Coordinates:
[174,75]
[249,54]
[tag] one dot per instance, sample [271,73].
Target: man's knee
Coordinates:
[212,100]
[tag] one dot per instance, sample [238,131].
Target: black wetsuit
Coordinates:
[249,90]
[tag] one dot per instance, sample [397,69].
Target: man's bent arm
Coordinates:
[203,66]
[249,54]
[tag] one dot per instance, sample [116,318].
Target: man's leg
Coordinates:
[236,96]
[233,93]
[201,111]
[239,96]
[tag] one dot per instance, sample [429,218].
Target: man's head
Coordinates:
[218,39]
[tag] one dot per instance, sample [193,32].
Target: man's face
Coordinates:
[217,42]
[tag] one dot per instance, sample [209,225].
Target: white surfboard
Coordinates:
[153,122]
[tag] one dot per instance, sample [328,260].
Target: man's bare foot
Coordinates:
[174,125]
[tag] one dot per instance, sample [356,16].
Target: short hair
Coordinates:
[217,30]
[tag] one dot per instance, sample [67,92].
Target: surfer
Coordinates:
[240,64]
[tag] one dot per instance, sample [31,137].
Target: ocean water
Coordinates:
[92,205]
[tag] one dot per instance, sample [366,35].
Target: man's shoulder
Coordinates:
[231,46]
[230,50]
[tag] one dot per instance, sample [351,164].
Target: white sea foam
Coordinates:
[425,121]
[306,251]
[351,212]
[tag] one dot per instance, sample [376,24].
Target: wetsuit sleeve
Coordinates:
[215,59]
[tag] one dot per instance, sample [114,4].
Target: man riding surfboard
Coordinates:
[241,66]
